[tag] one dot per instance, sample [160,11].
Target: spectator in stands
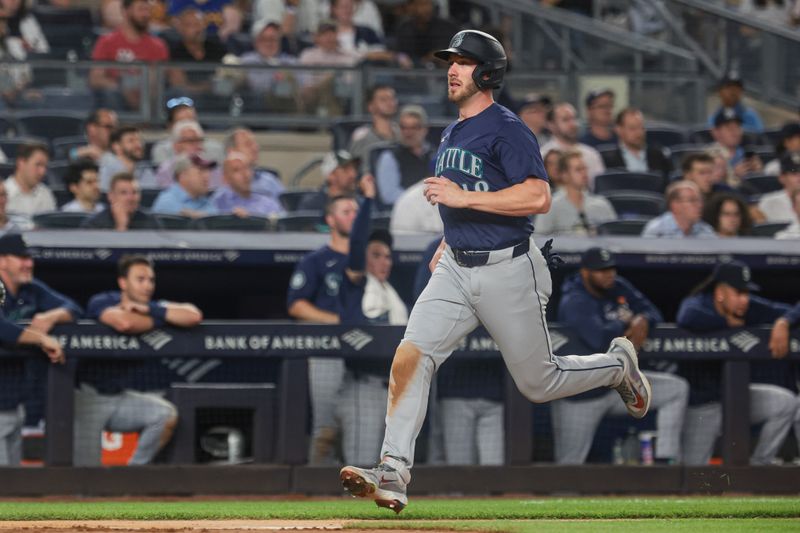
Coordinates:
[728,135]
[723,302]
[600,118]
[112,15]
[105,399]
[8,221]
[82,181]
[599,305]
[99,125]
[325,91]
[223,18]
[236,195]
[574,210]
[730,91]
[123,212]
[12,375]
[340,172]
[119,88]
[563,123]
[127,155]
[314,297]
[777,205]
[22,23]
[366,297]
[382,107]
[243,141]
[553,172]
[400,167]
[793,230]
[281,88]
[727,213]
[16,77]
[178,109]
[412,213]
[789,143]
[195,44]
[533,110]
[27,298]
[685,206]
[633,153]
[362,39]
[27,195]
[699,169]
[298,18]
[423,32]
[188,195]
[187,140]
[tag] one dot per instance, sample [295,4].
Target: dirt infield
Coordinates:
[181,526]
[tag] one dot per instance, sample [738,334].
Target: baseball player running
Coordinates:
[489,180]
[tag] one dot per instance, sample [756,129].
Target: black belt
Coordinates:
[469,259]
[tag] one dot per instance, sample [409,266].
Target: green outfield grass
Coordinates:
[488,509]
[720,525]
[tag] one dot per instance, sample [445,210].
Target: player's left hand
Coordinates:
[439,190]
[779,339]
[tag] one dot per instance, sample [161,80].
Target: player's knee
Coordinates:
[404,365]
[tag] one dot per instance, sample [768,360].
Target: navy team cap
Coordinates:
[736,274]
[598,259]
[14,244]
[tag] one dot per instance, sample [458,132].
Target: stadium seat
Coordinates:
[768,229]
[62,195]
[763,182]
[58,98]
[232,223]
[50,124]
[291,198]
[11,145]
[342,129]
[59,220]
[148,196]
[629,226]
[67,29]
[636,204]
[773,135]
[56,170]
[62,146]
[629,181]
[679,151]
[381,220]
[300,221]
[7,126]
[6,169]
[175,222]
[765,152]
[701,135]
[667,136]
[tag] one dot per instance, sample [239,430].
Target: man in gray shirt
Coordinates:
[574,210]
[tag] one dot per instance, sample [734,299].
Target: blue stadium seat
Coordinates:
[300,221]
[59,220]
[342,129]
[664,135]
[628,181]
[11,145]
[7,126]
[764,182]
[679,151]
[6,169]
[148,197]
[636,204]
[62,146]
[232,223]
[773,135]
[67,29]
[56,170]
[50,124]
[629,226]
[290,199]
[768,229]
[174,222]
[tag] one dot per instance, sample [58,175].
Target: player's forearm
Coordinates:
[183,315]
[308,312]
[31,336]
[126,321]
[523,199]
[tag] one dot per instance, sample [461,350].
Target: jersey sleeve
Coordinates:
[304,282]
[50,299]
[9,332]
[99,303]
[694,314]
[518,154]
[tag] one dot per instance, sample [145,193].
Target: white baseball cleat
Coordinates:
[634,387]
[383,484]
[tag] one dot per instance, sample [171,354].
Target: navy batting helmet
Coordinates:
[484,49]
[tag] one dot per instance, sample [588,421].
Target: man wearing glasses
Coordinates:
[99,125]
[187,140]
[599,118]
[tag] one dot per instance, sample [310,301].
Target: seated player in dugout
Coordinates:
[106,398]
[723,301]
[366,297]
[598,305]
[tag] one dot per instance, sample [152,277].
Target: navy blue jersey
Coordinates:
[598,320]
[12,369]
[317,278]
[488,152]
[697,313]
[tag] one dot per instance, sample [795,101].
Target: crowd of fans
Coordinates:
[729,180]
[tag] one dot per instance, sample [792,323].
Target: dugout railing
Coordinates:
[291,344]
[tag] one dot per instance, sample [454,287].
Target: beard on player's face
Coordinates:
[463,92]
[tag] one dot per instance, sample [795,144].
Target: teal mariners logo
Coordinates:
[461,160]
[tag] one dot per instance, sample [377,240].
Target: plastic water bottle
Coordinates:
[237,104]
[646,446]
[234,446]
[630,448]
[616,452]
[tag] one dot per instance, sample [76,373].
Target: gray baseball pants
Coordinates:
[359,410]
[474,433]
[325,378]
[508,296]
[145,413]
[11,436]
[575,421]
[770,405]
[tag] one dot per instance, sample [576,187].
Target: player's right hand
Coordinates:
[53,349]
